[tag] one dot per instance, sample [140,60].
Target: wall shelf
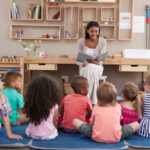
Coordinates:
[53,13]
[35,32]
[71,23]
[89,14]
[25,10]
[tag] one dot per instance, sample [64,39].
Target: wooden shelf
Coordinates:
[108,14]
[108,32]
[126,6]
[89,14]
[71,22]
[30,32]
[53,13]
[25,10]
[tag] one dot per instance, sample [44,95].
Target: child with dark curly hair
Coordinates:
[41,99]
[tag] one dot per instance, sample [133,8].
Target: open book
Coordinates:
[83,57]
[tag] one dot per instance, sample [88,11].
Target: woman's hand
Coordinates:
[84,65]
[93,61]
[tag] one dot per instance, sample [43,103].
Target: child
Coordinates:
[41,99]
[105,121]
[131,106]
[4,112]
[13,81]
[145,119]
[77,105]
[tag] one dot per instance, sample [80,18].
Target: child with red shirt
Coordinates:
[77,105]
[132,105]
[105,120]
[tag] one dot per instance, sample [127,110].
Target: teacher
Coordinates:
[92,45]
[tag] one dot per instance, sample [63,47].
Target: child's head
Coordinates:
[147,84]
[130,91]
[106,94]
[42,93]
[13,79]
[80,85]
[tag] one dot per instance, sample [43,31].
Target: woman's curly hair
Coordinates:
[42,93]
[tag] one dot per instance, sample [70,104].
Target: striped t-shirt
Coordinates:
[145,120]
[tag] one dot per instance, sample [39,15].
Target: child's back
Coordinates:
[106,128]
[77,105]
[41,99]
[131,106]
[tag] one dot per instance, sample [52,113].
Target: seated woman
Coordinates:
[92,45]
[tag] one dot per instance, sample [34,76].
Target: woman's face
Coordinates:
[93,33]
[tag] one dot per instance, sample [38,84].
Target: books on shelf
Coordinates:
[14,11]
[81,57]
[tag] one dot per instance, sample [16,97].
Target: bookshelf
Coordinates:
[26,10]
[73,14]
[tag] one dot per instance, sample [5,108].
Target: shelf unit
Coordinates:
[45,32]
[89,14]
[108,14]
[126,6]
[71,25]
[108,32]
[53,13]
[26,10]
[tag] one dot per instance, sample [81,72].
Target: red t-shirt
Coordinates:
[75,107]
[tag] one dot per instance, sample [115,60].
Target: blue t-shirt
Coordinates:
[16,101]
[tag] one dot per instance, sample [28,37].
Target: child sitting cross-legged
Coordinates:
[41,99]
[13,82]
[132,105]
[4,113]
[105,120]
[77,105]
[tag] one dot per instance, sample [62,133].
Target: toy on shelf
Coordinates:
[6,59]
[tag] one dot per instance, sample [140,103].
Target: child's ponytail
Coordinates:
[138,105]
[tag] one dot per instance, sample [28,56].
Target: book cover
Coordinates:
[83,57]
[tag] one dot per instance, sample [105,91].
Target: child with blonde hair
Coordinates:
[4,113]
[76,105]
[131,106]
[13,82]
[41,106]
[105,121]
[145,119]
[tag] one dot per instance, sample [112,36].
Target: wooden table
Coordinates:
[127,63]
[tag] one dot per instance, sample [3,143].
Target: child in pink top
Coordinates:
[77,105]
[105,121]
[132,105]
[41,99]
